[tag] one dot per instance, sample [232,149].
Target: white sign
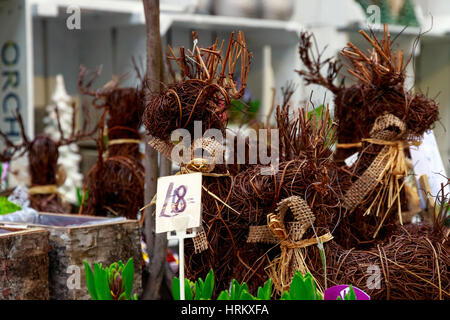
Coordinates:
[178,201]
[427,160]
[16,68]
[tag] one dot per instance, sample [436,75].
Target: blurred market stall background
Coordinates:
[44,43]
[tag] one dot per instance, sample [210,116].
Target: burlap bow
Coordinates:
[388,168]
[289,236]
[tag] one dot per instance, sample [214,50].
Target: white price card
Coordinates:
[178,199]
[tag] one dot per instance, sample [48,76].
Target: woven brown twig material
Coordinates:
[412,264]
[289,237]
[203,90]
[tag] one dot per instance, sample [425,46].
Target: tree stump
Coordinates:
[24,264]
[72,241]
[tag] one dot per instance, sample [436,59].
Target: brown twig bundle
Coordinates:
[412,264]
[115,183]
[220,238]
[205,89]
[44,171]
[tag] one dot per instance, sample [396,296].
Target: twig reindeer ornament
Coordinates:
[378,118]
[202,90]
[115,184]
[43,155]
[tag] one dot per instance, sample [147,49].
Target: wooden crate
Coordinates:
[71,245]
[24,264]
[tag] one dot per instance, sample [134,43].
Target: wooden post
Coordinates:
[165,165]
[156,243]
[427,197]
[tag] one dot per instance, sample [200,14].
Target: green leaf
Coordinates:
[234,293]
[254,106]
[80,192]
[90,282]
[244,287]
[245,295]
[296,290]
[101,283]
[265,292]
[223,295]
[350,294]
[198,289]
[176,288]
[286,296]
[309,287]
[187,290]
[105,141]
[208,286]
[7,206]
[127,277]
[242,292]
[316,112]
[303,288]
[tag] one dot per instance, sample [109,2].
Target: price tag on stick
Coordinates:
[178,208]
[178,196]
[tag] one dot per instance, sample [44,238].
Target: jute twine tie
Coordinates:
[289,236]
[51,188]
[206,165]
[392,154]
[123,141]
[45,189]
[388,169]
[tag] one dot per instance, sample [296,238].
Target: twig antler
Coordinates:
[11,149]
[382,66]
[314,65]
[74,135]
[209,65]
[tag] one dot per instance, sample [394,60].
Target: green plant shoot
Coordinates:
[110,283]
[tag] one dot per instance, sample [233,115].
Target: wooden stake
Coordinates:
[156,243]
[426,193]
